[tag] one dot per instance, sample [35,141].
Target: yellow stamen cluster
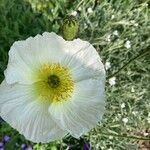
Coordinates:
[55,82]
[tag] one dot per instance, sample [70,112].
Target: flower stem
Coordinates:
[127,136]
[130,61]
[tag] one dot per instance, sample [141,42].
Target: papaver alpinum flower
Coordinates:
[52,87]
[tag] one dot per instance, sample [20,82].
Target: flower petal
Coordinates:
[83,60]
[84,109]
[28,115]
[26,56]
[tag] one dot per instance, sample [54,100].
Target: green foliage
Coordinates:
[51,9]
[111,24]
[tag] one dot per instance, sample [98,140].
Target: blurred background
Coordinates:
[119,30]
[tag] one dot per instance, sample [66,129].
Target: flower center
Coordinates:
[55,83]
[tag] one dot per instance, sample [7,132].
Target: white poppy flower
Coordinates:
[112,81]
[127,44]
[113,16]
[123,105]
[135,112]
[108,38]
[125,120]
[116,33]
[52,87]
[107,65]
[90,10]
[74,13]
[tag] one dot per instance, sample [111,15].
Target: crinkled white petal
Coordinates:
[83,111]
[26,114]
[83,60]
[27,56]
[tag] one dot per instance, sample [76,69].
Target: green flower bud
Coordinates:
[70,28]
